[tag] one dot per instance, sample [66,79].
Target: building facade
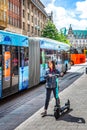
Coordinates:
[14,16]
[3,14]
[78,38]
[26,17]
[33,17]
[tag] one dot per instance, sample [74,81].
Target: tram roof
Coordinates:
[12,33]
[48,43]
[13,39]
[59,45]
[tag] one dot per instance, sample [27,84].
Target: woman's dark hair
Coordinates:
[53,64]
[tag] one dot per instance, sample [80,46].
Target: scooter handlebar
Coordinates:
[55,75]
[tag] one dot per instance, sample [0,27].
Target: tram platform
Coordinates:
[75,119]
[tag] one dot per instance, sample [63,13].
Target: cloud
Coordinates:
[46,2]
[82,8]
[64,17]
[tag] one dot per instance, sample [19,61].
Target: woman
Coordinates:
[51,84]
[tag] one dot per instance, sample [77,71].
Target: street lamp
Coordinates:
[37,27]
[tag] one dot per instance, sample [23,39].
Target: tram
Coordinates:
[23,61]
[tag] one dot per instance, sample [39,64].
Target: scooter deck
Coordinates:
[63,108]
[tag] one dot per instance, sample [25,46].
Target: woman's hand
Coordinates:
[61,74]
[50,75]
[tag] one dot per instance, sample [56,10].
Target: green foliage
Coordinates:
[51,32]
[63,38]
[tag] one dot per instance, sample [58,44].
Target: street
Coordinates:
[17,108]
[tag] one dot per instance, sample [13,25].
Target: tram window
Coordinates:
[24,57]
[46,55]
[50,55]
[14,61]
[0,55]
[6,66]
[14,66]
[21,57]
[42,56]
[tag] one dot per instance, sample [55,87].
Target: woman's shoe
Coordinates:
[44,113]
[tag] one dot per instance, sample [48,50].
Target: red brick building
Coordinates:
[26,17]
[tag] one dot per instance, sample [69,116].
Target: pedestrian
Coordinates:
[51,84]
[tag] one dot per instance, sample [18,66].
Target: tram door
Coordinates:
[0,71]
[24,68]
[14,68]
[6,81]
[10,70]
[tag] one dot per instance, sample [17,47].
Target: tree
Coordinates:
[63,38]
[50,31]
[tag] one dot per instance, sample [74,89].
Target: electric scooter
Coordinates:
[58,111]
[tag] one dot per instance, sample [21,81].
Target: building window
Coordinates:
[38,14]
[15,9]
[32,29]
[36,11]
[28,4]
[83,41]
[28,16]
[18,11]
[76,41]
[35,31]
[10,6]
[79,41]
[71,41]
[32,8]
[28,27]
[15,22]
[23,2]
[32,19]
[23,13]
[10,20]
[36,21]
[38,32]
[18,24]
[23,26]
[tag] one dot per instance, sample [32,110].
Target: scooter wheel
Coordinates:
[56,112]
[56,115]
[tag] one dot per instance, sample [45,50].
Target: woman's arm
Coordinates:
[58,73]
[46,74]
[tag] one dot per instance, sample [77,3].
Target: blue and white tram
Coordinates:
[14,66]
[49,49]
[23,61]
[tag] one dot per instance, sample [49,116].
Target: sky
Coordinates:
[66,12]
